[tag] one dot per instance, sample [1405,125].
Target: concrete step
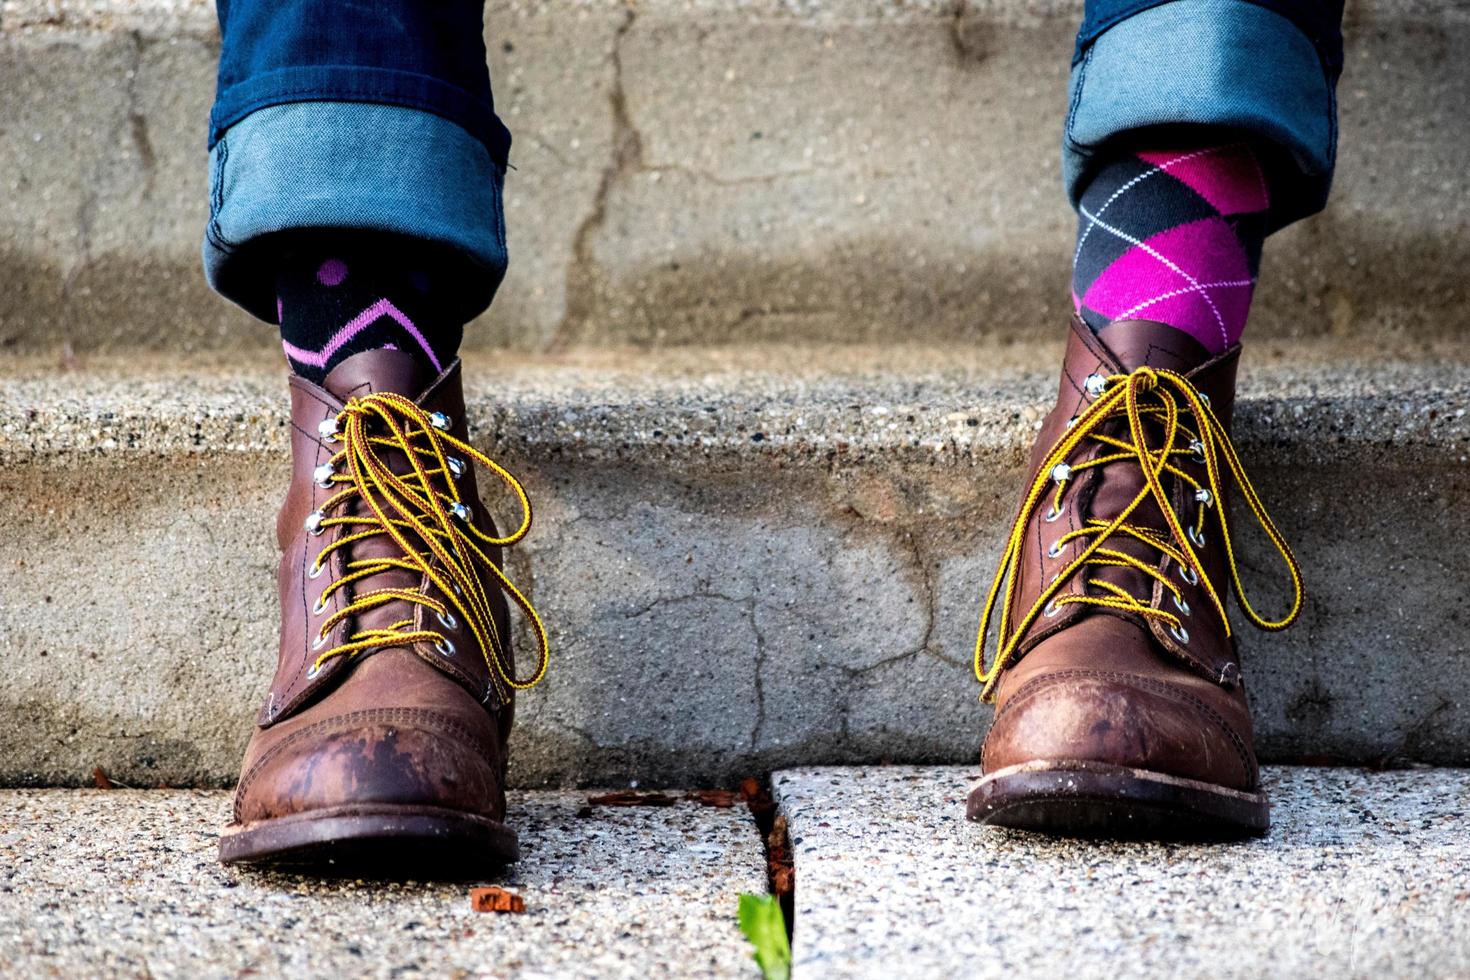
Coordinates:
[689,171]
[1362,875]
[126,884]
[748,559]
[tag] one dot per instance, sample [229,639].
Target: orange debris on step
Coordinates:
[496,900]
[630,798]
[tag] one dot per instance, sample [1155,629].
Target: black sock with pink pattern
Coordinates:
[339,294]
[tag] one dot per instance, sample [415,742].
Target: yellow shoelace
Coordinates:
[423,513]
[1142,394]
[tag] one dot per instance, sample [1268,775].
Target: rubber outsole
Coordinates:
[382,841]
[1090,799]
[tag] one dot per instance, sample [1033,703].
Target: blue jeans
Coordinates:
[1267,69]
[379,116]
[373,116]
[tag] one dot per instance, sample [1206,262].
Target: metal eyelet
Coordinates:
[1204,497]
[1095,384]
[1055,551]
[440,421]
[1189,575]
[1051,609]
[1206,399]
[456,466]
[445,648]
[1180,633]
[1182,605]
[1061,472]
[1071,421]
[327,429]
[1051,514]
[315,572]
[321,605]
[313,523]
[1196,537]
[447,620]
[323,475]
[460,510]
[1197,450]
[315,669]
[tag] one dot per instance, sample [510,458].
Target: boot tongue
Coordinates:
[385,369]
[1136,343]
[373,371]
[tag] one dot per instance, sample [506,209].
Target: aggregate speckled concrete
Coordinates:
[696,171]
[125,884]
[1362,875]
[748,561]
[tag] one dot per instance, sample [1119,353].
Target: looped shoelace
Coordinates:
[1142,394]
[423,513]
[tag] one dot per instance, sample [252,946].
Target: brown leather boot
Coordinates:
[1120,706]
[381,746]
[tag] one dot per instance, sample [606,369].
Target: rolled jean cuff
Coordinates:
[1227,64]
[356,167]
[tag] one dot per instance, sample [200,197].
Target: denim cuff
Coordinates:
[359,83]
[350,166]
[1228,64]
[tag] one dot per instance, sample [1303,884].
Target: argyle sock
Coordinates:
[1173,236]
[340,294]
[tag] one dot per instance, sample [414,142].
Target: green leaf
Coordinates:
[764,925]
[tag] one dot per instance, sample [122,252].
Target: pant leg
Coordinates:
[1265,68]
[372,116]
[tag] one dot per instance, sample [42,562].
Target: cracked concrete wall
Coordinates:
[688,173]
[714,617]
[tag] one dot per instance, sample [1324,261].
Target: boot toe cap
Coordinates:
[388,756]
[1113,718]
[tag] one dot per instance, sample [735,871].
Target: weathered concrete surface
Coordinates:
[713,172]
[743,568]
[1362,875]
[117,883]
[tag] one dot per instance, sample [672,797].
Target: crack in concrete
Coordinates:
[751,605]
[584,276]
[760,687]
[143,143]
[585,279]
[964,34]
[929,588]
[691,597]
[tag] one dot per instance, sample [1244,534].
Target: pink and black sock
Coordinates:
[1173,236]
[340,294]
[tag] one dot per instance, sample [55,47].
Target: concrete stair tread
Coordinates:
[1362,875]
[124,883]
[757,400]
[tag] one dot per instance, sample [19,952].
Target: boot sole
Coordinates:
[374,841]
[1092,799]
